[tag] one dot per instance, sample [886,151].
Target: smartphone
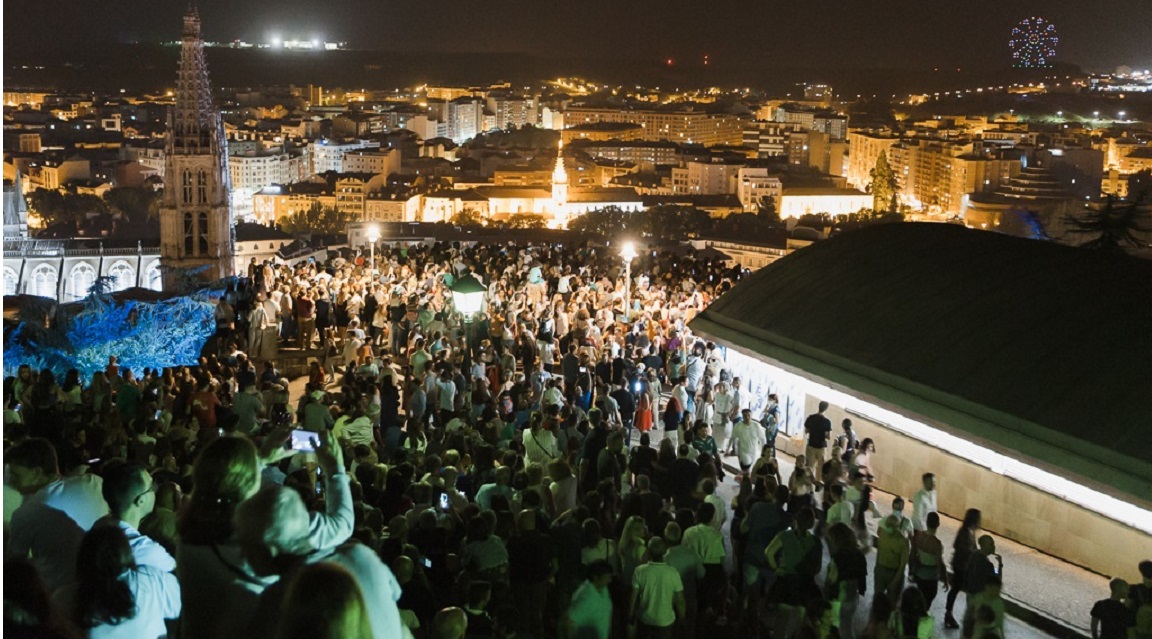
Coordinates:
[444,503]
[301,440]
[319,482]
[427,562]
[95,460]
[158,414]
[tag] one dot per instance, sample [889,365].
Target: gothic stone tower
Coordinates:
[195,217]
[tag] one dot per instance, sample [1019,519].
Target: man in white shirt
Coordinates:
[131,496]
[924,502]
[724,412]
[56,512]
[553,396]
[747,440]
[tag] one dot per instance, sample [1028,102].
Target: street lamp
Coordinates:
[628,252]
[468,298]
[373,236]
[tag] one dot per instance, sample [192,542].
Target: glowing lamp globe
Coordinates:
[468,296]
[373,234]
[628,251]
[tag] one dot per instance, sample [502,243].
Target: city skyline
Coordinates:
[881,34]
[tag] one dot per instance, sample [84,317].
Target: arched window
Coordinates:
[202,187]
[79,281]
[44,280]
[202,234]
[123,276]
[11,281]
[152,277]
[187,182]
[189,234]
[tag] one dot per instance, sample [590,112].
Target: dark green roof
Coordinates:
[1029,346]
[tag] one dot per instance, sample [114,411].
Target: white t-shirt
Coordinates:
[748,440]
[656,584]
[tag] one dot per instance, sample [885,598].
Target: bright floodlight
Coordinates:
[628,251]
[373,233]
[468,295]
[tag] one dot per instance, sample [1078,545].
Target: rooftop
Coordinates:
[1028,346]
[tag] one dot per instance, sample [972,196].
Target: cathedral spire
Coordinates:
[560,179]
[196,219]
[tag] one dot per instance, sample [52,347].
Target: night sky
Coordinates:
[1096,34]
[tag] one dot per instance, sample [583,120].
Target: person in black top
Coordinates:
[479,621]
[1111,618]
[963,548]
[626,403]
[531,563]
[683,474]
[818,427]
[1141,593]
[604,370]
[653,361]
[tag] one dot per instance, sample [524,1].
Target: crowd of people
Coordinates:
[550,468]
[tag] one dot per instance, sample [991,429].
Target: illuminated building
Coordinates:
[975,369]
[937,175]
[512,110]
[768,138]
[376,161]
[705,178]
[254,170]
[603,132]
[795,202]
[646,155]
[195,214]
[1033,203]
[863,150]
[754,184]
[681,124]
[328,155]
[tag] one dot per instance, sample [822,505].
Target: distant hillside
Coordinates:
[143,67]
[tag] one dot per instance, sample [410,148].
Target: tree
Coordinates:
[523,221]
[54,206]
[883,186]
[610,221]
[467,217]
[1115,226]
[766,210]
[675,222]
[319,219]
[138,204]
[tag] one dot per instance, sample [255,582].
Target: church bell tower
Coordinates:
[196,224]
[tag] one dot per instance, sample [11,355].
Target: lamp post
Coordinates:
[468,294]
[628,252]
[373,236]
